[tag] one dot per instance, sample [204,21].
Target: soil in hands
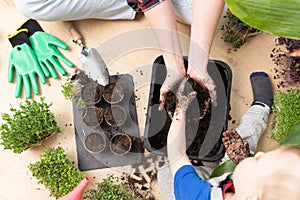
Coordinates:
[202,98]
[121,144]
[197,120]
[113,92]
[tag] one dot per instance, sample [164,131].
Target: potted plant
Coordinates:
[95,142]
[235,31]
[115,116]
[55,171]
[92,116]
[28,126]
[113,93]
[120,144]
[286,110]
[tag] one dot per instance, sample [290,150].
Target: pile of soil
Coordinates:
[113,93]
[81,78]
[144,178]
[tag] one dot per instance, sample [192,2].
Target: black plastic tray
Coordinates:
[158,122]
[105,159]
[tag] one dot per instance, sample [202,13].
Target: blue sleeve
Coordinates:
[188,185]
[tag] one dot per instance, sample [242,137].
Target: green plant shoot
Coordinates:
[28,125]
[286,110]
[55,171]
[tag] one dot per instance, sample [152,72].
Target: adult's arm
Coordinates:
[206,15]
[163,21]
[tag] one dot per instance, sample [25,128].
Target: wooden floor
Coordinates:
[15,178]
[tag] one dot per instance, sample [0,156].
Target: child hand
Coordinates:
[183,100]
[236,149]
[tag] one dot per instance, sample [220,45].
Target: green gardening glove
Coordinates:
[24,63]
[45,47]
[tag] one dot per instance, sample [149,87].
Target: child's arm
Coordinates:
[176,143]
[183,172]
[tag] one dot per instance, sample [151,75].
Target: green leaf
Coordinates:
[277,17]
[227,166]
[293,138]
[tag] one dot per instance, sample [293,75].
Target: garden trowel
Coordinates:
[92,63]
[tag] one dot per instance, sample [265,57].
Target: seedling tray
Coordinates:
[207,133]
[88,160]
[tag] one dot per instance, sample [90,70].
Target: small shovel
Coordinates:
[92,63]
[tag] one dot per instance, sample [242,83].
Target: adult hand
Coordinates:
[45,47]
[236,149]
[24,63]
[172,79]
[206,81]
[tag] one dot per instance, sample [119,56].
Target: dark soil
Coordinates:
[81,77]
[121,144]
[115,116]
[113,93]
[287,67]
[95,142]
[91,93]
[202,98]
[197,121]
[92,116]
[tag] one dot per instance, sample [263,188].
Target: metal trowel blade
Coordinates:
[94,66]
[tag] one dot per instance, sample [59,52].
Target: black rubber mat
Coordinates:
[88,160]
